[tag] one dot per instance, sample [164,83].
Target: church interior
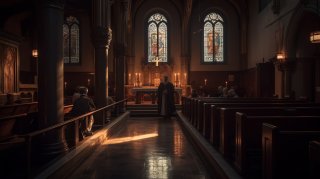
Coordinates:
[246,78]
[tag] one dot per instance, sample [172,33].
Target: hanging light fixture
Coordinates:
[315,7]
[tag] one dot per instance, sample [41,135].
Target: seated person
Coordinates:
[194,94]
[82,105]
[76,94]
[220,91]
[232,93]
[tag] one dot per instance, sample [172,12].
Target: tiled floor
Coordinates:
[146,148]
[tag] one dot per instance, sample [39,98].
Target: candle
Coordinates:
[157,61]
[205,82]
[226,84]
[129,79]
[88,82]
[65,84]
[175,76]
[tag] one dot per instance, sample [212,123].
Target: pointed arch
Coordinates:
[157,36]
[71,41]
[213,39]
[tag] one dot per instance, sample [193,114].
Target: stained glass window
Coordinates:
[71,38]
[157,38]
[213,33]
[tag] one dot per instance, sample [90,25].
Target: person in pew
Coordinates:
[76,94]
[194,94]
[225,92]
[82,105]
[220,91]
[232,93]
[165,95]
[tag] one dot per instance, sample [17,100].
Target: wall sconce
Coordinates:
[315,37]
[35,53]
[280,57]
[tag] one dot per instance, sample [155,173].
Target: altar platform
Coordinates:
[140,93]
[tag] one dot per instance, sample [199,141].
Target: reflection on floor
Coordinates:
[146,148]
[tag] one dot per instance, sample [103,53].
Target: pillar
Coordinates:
[102,35]
[121,52]
[51,76]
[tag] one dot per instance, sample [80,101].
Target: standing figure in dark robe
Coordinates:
[165,95]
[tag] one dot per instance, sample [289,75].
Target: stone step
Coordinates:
[142,110]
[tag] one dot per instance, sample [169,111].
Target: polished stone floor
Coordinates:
[149,147]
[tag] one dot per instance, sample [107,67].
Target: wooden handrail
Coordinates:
[35,133]
[13,116]
[28,137]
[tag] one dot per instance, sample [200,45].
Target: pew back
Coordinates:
[228,122]
[248,152]
[285,152]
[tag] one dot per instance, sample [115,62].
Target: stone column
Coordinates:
[121,52]
[51,79]
[317,80]
[102,35]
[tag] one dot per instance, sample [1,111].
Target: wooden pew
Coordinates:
[314,159]
[202,109]
[27,115]
[197,111]
[67,109]
[212,123]
[248,151]
[228,121]
[6,125]
[187,102]
[285,152]
[15,109]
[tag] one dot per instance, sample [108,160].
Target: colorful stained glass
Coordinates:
[213,48]
[71,41]
[157,38]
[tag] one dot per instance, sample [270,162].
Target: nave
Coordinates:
[147,147]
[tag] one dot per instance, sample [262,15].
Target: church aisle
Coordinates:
[146,148]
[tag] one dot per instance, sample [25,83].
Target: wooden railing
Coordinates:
[29,137]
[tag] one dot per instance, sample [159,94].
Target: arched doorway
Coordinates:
[304,55]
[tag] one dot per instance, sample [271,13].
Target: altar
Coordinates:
[139,93]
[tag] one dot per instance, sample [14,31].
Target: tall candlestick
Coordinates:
[157,61]
[129,79]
